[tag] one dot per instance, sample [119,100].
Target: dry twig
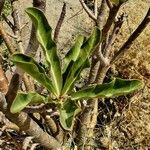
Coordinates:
[59,23]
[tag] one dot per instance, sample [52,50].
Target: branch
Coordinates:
[33,42]
[3,78]
[12,89]
[40,108]
[112,14]
[12,50]
[7,41]
[1,6]
[23,121]
[132,38]
[101,14]
[95,8]
[109,4]
[59,23]
[10,24]
[93,69]
[113,36]
[17,25]
[88,11]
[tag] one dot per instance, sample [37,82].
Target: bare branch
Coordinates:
[101,14]
[3,78]
[113,36]
[93,69]
[40,108]
[33,42]
[88,11]
[7,41]
[110,20]
[132,38]
[59,23]
[17,25]
[95,8]
[109,4]
[12,89]
[1,5]
[23,121]
[12,50]
[10,24]
[11,35]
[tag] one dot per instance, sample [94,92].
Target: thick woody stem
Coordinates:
[30,127]
[23,121]
[88,121]
[93,69]
[101,15]
[110,20]
[7,40]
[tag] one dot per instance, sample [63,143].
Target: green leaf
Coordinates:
[68,111]
[116,2]
[116,87]
[86,50]
[44,36]
[30,66]
[73,53]
[24,99]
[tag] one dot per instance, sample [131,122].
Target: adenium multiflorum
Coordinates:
[60,81]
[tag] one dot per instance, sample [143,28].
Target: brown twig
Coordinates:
[3,78]
[17,25]
[88,11]
[101,14]
[112,14]
[113,36]
[40,108]
[10,24]
[33,42]
[7,41]
[12,50]
[59,23]
[23,121]
[12,89]
[1,6]
[109,4]
[95,8]
[132,38]
[93,69]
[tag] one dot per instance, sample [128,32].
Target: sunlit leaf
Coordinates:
[44,36]
[68,111]
[24,99]
[76,67]
[116,87]
[30,66]
[73,53]
[116,2]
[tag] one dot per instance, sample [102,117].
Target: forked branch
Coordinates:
[133,37]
